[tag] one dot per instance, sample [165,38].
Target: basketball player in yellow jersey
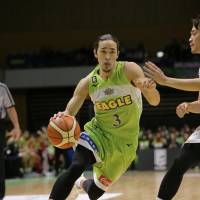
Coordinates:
[190,154]
[110,139]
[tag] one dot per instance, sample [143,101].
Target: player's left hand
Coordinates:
[145,84]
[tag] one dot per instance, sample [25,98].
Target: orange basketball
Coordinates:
[63,132]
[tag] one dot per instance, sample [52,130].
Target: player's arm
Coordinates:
[194,107]
[189,107]
[154,72]
[146,85]
[78,98]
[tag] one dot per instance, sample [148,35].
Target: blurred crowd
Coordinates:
[33,155]
[164,137]
[173,51]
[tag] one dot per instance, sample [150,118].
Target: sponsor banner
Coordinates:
[160,159]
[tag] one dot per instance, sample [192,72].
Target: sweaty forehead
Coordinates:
[107,44]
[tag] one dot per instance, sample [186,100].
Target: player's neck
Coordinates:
[105,75]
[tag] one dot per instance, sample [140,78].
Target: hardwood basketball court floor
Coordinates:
[134,185]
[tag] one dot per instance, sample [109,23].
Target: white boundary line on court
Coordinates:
[45,197]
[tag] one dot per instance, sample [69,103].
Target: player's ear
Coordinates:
[95,53]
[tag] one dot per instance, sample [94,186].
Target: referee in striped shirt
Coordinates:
[7,106]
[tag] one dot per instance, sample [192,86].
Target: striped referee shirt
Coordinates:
[6,100]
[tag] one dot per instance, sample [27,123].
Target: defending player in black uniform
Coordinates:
[190,155]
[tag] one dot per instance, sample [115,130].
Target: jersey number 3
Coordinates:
[117,120]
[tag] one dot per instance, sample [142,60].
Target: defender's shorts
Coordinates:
[194,137]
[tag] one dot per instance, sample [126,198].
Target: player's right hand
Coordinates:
[60,114]
[182,109]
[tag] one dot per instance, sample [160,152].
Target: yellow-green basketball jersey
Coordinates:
[117,105]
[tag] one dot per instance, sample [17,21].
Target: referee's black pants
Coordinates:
[2,160]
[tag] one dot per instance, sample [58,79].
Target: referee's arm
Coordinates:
[12,113]
[9,105]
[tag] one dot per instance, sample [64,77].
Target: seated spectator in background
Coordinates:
[159,141]
[173,143]
[150,137]
[143,142]
[180,139]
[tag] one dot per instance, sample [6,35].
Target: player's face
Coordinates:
[195,40]
[107,54]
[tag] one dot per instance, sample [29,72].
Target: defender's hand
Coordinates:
[182,109]
[155,73]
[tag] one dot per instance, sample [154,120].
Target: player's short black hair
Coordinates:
[103,38]
[196,22]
